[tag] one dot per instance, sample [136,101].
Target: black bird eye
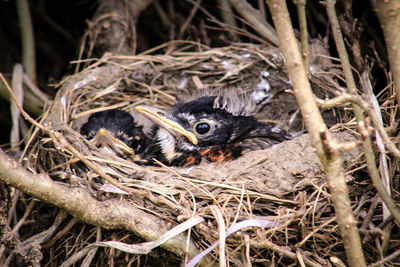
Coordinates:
[202,128]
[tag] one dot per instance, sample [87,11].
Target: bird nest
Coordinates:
[284,184]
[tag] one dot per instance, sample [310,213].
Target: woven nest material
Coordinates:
[283,183]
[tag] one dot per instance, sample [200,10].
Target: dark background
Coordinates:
[60,25]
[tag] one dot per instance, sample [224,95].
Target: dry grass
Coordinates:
[284,183]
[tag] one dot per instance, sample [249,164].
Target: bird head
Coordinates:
[114,129]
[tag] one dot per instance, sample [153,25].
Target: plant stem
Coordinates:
[328,152]
[301,12]
[389,16]
[27,39]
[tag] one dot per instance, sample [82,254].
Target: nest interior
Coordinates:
[284,183]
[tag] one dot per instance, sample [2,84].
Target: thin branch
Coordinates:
[61,144]
[315,125]
[347,98]
[28,41]
[301,12]
[85,207]
[351,85]
[189,19]
[392,256]
[227,13]
[110,214]
[301,85]
[253,16]
[358,100]
[336,261]
[383,164]
[265,244]
[15,113]
[27,212]
[32,103]
[389,16]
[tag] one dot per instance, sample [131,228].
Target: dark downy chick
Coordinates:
[117,130]
[216,128]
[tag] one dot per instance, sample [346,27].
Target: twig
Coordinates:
[301,12]
[315,125]
[35,90]
[61,232]
[23,219]
[115,213]
[247,252]
[368,218]
[189,19]
[78,256]
[85,207]
[383,164]
[161,15]
[222,234]
[343,210]
[298,76]
[254,17]
[28,41]
[336,261]
[31,103]
[62,145]
[261,7]
[314,231]
[346,98]
[389,17]
[226,12]
[282,251]
[15,113]
[356,99]
[89,257]
[369,152]
[28,253]
[392,256]
[300,258]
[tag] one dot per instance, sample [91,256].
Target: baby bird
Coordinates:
[117,130]
[213,127]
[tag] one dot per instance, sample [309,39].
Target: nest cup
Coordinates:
[284,183]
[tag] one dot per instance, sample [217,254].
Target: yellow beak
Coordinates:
[158,117]
[104,138]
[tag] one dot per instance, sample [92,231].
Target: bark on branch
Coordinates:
[316,126]
[389,16]
[109,214]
